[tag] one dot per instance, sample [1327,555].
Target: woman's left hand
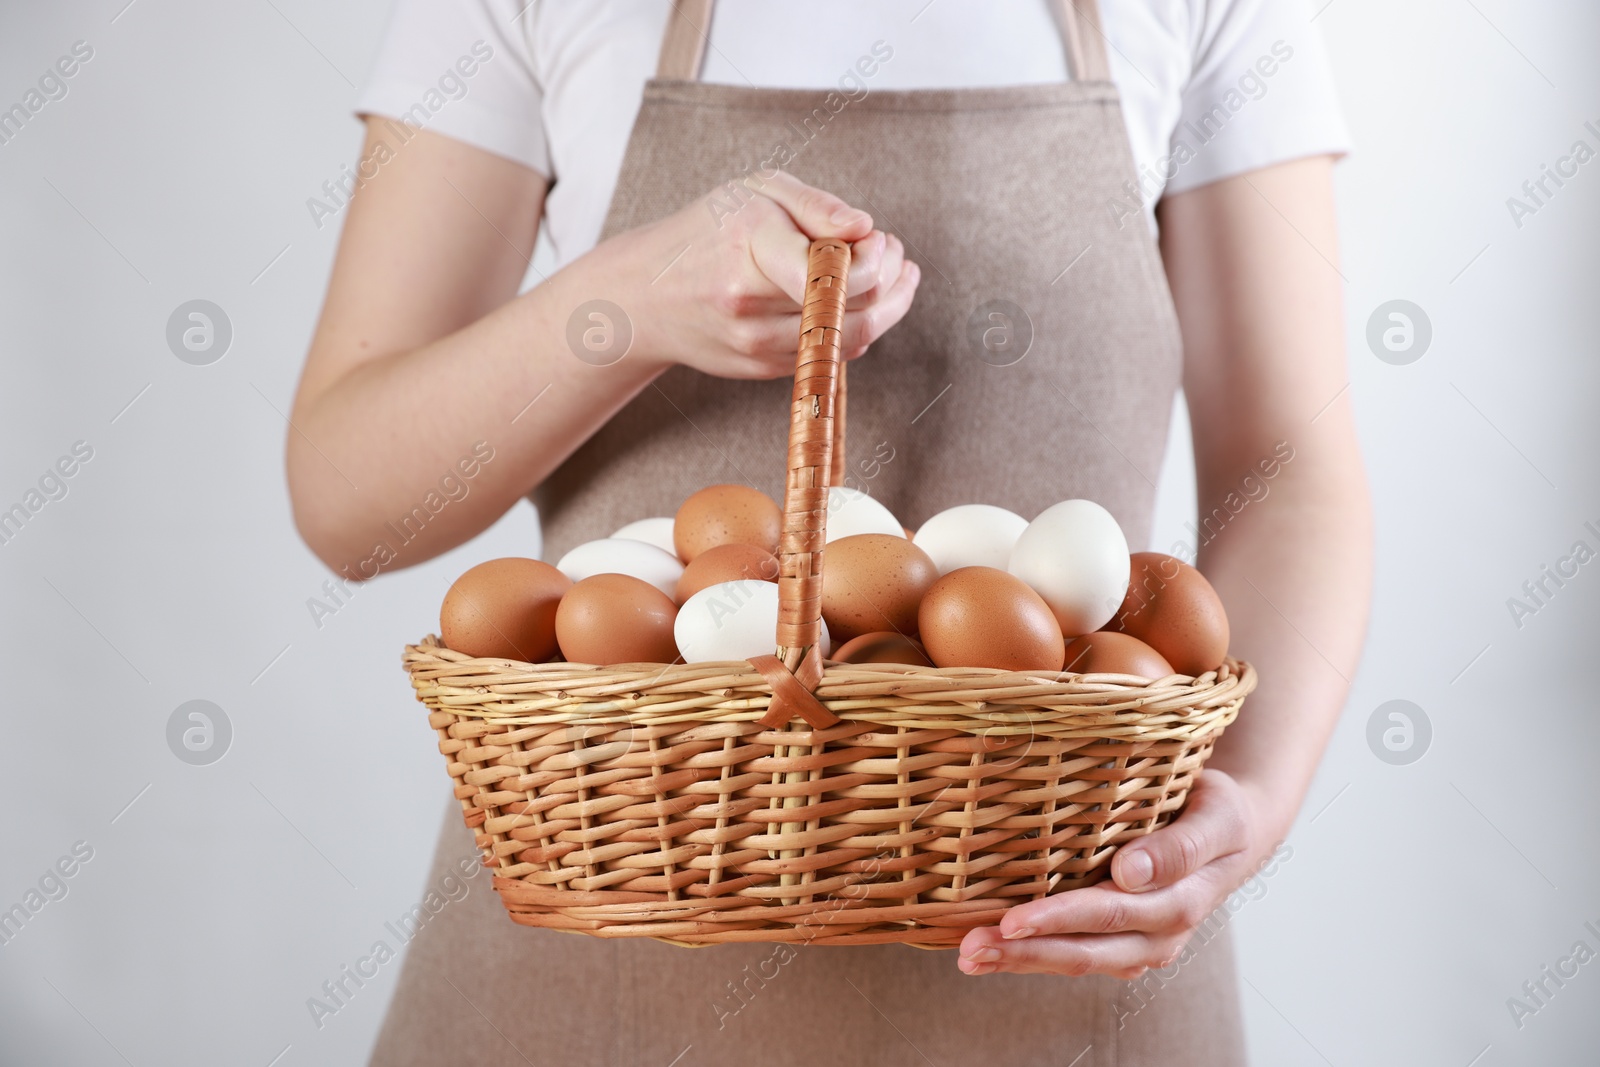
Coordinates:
[1163,887]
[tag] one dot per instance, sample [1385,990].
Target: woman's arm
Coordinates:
[1253,265]
[424,348]
[1265,378]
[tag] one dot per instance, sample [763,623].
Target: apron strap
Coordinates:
[683,49]
[1081,36]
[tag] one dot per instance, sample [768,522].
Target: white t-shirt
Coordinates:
[1210,88]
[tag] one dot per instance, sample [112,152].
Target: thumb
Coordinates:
[1210,826]
[816,213]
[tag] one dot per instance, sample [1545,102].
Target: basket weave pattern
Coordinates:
[644,800]
[783,800]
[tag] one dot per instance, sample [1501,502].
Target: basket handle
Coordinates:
[816,458]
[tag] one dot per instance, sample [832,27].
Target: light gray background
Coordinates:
[1418,899]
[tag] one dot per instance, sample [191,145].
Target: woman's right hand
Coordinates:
[717,286]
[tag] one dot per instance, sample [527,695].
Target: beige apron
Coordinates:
[1039,362]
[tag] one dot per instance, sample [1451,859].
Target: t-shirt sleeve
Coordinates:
[1260,92]
[462,68]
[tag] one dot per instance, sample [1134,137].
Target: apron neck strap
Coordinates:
[683,49]
[1081,36]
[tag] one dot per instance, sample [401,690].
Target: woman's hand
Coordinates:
[1163,887]
[717,285]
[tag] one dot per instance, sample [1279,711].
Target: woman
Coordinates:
[988,177]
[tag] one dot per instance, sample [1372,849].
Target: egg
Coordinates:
[726,515]
[731,621]
[657,531]
[504,609]
[621,555]
[1172,608]
[615,618]
[971,535]
[727,563]
[873,582]
[882,648]
[1113,653]
[984,617]
[852,512]
[1075,556]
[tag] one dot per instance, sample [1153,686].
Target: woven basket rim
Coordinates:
[973,699]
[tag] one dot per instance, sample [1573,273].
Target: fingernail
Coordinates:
[1020,932]
[979,969]
[1137,870]
[987,954]
[846,215]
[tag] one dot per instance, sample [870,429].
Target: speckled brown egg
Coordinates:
[984,617]
[1105,652]
[1172,608]
[882,648]
[726,515]
[616,618]
[873,583]
[504,609]
[727,563]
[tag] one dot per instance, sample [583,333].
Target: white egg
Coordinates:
[1075,556]
[971,535]
[731,621]
[851,512]
[621,555]
[656,532]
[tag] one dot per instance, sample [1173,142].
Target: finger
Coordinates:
[1211,825]
[1096,909]
[1069,954]
[783,255]
[816,213]
[890,264]
[866,264]
[866,324]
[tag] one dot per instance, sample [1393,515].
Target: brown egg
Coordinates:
[726,515]
[1104,652]
[873,583]
[727,563]
[504,609]
[882,648]
[616,618]
[1172,608]
[983,617]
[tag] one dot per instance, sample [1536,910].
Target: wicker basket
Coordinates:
[780,800]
